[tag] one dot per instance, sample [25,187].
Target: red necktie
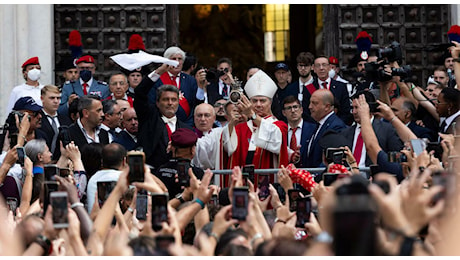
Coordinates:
[85,85]
[358,148]
[173,79]
[169,131]
[293,143]
[324,85]
[225,91]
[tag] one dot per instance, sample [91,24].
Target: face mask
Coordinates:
[85,75]
[33,74]
[331,74]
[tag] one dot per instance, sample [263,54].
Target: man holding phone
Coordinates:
[183,142]
[113,160]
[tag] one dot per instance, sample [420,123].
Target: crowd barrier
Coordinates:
[313,171]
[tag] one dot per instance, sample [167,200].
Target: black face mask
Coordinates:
[85,75]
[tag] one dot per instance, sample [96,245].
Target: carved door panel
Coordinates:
[106,29]
[415,27]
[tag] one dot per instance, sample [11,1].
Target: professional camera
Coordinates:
[214,74]
[375,72]
[391,53]
[11,128]
[236,92]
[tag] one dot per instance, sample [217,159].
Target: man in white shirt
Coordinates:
[113,161]
[31,72]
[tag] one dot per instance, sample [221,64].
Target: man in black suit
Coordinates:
[322,111]
[87,129]
[321,67]
[405,110]
[220,86]
[304,67]
[128,136]
[51,119]
[447,106]
[387,137]
[298,130]
[157,121]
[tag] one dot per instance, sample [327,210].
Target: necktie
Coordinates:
[293,143]
[85,85]
[324,85]
[358,148]
[169,131]
[56,132]
[173,79]
[442,127]
[225,91]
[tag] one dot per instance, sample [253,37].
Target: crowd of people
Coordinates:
[126,167]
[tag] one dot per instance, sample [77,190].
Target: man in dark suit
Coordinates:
[190,94]
[128,136]
[298,130]
[51,119]
[386,134]
[322,111]
[87,128]
[405,110]
[447,106]
[220,85]
[304,67]
[157,121]
[321,67]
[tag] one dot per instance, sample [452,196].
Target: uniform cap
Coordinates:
[27,103]
[86,58]
[135,43]
[260,84]
[75,44]
[183,138]
[454,33]
[31,61]
[333,60]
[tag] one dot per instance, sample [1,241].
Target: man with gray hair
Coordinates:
[190,94]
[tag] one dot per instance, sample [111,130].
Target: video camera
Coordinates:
[375,72]
[391,53]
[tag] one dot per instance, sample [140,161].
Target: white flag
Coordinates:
[136,60]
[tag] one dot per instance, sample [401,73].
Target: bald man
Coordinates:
[203,118]
[128,137]
[322,111]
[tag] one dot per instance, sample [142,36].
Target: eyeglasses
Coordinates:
[303,65]
[219,104]
[294,107]
[430,89]
[324,65]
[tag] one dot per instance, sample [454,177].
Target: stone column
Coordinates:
[26,31]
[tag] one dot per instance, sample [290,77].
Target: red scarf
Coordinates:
[166,79]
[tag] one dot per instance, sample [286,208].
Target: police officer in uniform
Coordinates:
[183,143]
[84,85]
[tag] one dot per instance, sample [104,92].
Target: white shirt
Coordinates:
[298,135]
[221,87]
[171,122]
[328,83]
[89,139]
[24,90]
[101,175]
[302,86]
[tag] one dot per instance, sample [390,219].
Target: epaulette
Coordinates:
[102,82]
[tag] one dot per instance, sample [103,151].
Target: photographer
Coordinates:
[183,144]
[219,81]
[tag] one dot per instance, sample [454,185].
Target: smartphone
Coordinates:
[21,155]
[303,211]
[418,146]
[64,172]
[159,210]
[141,206]
[354,219]
[50,170]
[248,172]
[335,155]
[162,242]
[12,204]
[47,188]
[182,173]
[293,195]
[374,169]
[240,203]
[104,188]
[58,200]
[64,135]
[136,166]
[329,178]
[263,186]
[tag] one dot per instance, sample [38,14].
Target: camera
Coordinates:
[391,53]
[397,157]
[213,74]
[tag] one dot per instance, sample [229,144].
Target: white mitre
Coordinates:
[260,84]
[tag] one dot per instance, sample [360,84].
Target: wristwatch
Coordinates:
[254,116]
[45,243]
[180,198]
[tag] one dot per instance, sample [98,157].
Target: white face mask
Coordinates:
[332,73]
[33,74]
